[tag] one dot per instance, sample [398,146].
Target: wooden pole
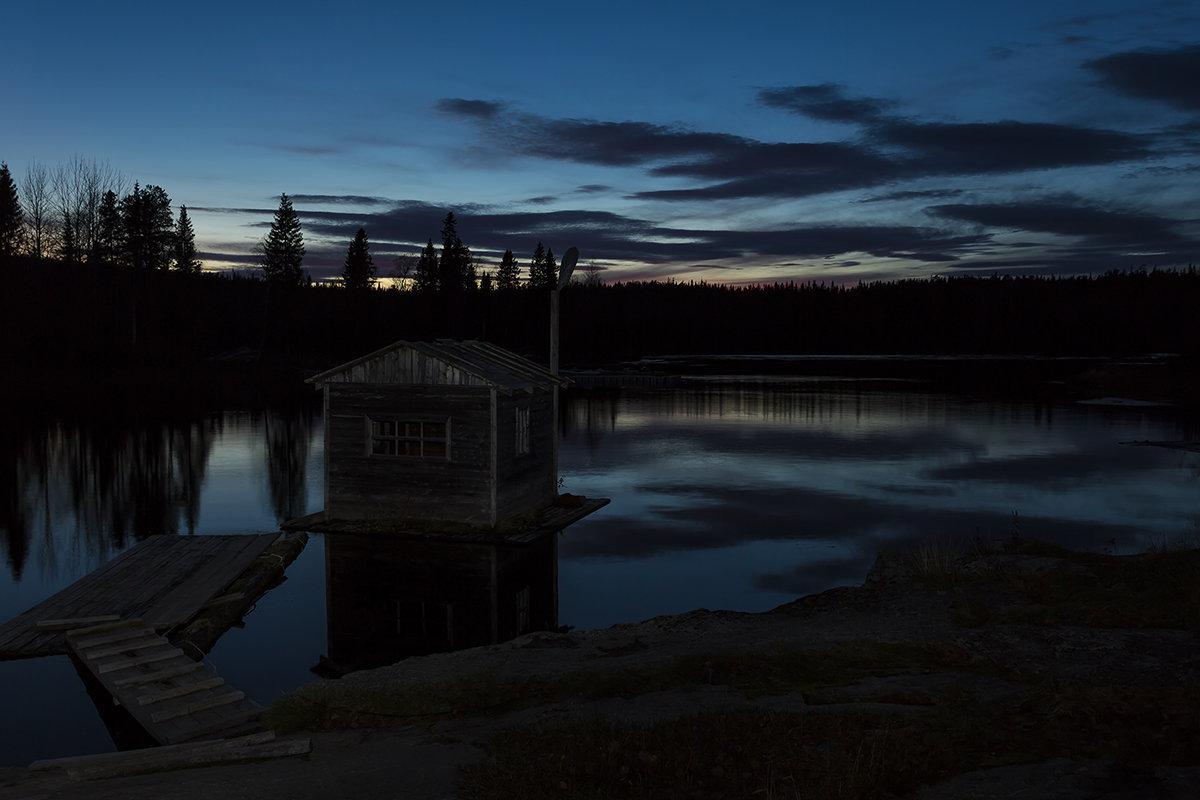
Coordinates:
[570,258]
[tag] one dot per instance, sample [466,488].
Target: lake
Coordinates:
[728,491]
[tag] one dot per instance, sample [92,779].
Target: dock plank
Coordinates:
[72,624]
[163,579]
[179,691]
[127,646]
[137,661]
[147,678]
[195,591]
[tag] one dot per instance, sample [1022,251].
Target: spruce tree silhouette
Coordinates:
[185,245]
[508,274]
[359,271]
[282,250]
[11,216]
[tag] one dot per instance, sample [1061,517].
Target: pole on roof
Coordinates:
[564,276]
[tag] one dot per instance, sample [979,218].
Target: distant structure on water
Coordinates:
[446,437]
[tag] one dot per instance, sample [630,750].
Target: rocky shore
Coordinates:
[1013,671]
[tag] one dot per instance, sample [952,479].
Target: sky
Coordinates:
[725,142]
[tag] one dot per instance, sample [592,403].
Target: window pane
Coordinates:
[435,430]
[435,449]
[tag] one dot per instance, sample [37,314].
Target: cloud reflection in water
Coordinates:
[743,496]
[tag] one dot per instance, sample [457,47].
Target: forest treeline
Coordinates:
[60,317]
[98,276]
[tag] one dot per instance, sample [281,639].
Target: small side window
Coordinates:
[523,431]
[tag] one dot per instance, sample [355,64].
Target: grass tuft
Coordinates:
[935,564]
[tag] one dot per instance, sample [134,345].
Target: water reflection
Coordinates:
[775,490]
[288,435]
[389,599]
[110,485]
[89,488]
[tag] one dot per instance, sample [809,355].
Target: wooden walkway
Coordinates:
[163,581]
[173,697]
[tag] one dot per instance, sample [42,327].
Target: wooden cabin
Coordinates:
[442,435]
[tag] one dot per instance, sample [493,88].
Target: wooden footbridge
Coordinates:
[174,698]
[113,620]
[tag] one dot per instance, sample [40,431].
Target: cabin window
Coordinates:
[393,437]
[523,431]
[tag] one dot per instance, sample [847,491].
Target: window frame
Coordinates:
[399,437]
[522,439]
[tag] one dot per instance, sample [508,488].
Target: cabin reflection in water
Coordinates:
[388,598]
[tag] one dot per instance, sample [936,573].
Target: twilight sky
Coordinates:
[729,142]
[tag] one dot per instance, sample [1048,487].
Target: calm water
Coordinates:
[739,495]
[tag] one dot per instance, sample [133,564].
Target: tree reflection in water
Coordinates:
[89,485]
[288,434]
[107,484]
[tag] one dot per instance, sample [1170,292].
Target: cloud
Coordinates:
[338,199]
[897,150]
[826,101]
[800,158]
[1168,76]
[889,149]
[922,194]
[1065,218]
[613,144]
[1004,147]
[478,109]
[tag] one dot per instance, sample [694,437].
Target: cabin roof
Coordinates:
[443,363]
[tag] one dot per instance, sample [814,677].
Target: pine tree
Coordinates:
[508,274]
[11,216]
[359,270]
[426,278]
[185,245]
[456,268]
[108,234]
[470,275]
[282,250]
[147,228]
[67,251]
[132,245]
[543,270]
[551,270]
[160,228]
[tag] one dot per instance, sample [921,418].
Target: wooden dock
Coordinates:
[163,581]
[173,697]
